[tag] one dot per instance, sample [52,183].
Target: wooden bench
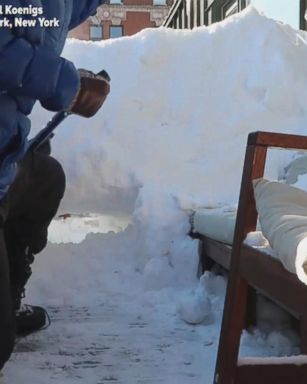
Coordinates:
[251,270]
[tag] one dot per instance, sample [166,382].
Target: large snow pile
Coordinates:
[171,136]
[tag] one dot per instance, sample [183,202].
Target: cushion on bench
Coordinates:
[282,213]
[216,223]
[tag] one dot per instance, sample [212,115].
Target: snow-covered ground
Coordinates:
[170,138]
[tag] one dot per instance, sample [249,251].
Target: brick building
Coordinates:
[117,18]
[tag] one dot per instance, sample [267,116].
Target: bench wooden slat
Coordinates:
[268,274]
[221,252]
[271,374]
[277,140]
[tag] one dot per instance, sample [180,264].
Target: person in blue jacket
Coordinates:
[32,185]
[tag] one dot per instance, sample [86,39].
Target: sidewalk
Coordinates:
[107,345]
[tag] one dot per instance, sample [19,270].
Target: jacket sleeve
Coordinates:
[82,9]
[36,71]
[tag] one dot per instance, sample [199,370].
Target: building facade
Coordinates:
[116,18]
[193,13]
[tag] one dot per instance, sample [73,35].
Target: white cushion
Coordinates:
[216,223]
[283,217]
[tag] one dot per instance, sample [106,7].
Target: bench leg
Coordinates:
[251,308]
[234,318]
[205,262]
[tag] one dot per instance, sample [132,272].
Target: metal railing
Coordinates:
[195,13]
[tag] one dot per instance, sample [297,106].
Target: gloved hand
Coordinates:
[92,93]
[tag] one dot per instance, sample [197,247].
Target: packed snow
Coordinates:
[127,303]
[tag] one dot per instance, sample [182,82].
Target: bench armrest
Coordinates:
[278,140]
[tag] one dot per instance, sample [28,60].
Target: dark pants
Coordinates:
[25,214]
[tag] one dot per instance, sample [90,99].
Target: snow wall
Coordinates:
[171,136]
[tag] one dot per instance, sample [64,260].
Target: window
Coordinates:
[116,2]
[96,32]
[159,2]
[231,9]
[116,31]
[210,17]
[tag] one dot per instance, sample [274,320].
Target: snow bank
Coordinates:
[171,136]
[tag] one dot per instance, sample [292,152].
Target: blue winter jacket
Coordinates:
[31,69]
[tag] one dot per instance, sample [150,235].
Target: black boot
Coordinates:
[29,318]
[20,267]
